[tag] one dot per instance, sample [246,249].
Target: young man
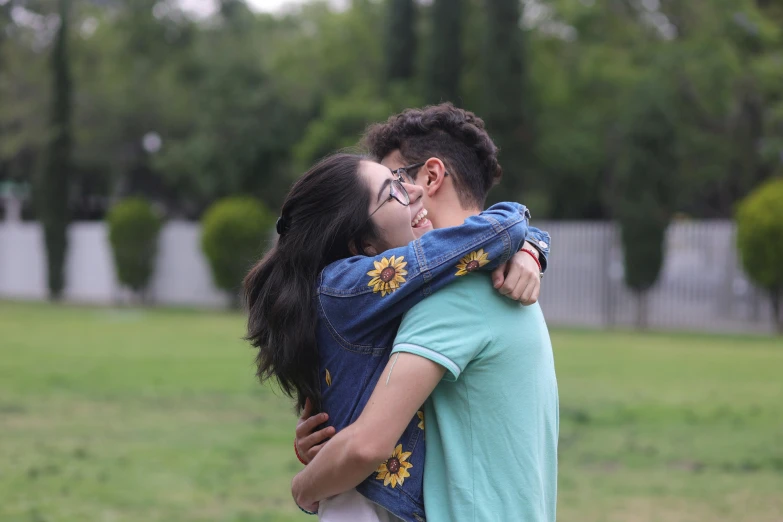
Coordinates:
[482,363]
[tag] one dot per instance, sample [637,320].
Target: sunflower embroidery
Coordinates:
[388,275]
[471,262]
[394,470]
[328,378]
[421,419]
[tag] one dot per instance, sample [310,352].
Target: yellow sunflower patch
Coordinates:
[388,275]
[471,262]
[395,470]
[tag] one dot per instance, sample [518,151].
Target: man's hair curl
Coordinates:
[455,136]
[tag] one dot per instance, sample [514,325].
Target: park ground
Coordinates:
[127,415]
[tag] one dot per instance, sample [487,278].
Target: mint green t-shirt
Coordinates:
[491,425]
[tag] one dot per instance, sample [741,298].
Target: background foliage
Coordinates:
[186,110]
[640,111]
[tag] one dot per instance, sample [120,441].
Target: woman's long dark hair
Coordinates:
[323,216]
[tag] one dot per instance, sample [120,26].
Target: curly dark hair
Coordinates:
[456,136]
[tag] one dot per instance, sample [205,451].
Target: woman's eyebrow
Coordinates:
[385,184]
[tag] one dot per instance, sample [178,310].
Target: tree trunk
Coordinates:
[641,310]
[506,102]
[54,183]
[401,40]
[444,69]
[775,296]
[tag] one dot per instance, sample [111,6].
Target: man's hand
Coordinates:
[519,278]
[308,441]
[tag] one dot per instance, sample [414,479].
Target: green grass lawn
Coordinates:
[155,416]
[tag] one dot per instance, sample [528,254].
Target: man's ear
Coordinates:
[435,174]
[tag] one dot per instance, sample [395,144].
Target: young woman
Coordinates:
[326,302]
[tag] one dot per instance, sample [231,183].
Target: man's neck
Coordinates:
[452,216]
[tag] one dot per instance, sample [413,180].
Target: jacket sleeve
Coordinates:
[359,294]
[541,240]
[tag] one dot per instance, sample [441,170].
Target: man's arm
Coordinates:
[356,451]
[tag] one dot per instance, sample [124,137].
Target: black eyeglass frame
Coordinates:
[398,183]
[404,170]
[400,195]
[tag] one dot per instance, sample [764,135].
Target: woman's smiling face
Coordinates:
[396,223]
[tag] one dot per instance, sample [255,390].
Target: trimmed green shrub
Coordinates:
[646,189]
[133,233]
[233,231]
[643,235]
[760,241]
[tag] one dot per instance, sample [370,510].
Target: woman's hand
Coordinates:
[296,493]
[308,441]
[519,278]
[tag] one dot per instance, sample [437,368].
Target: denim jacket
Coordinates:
[360,303]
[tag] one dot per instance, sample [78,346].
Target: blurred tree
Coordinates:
[24,74]
[504,105]
[185,110]
[768,69]
[340,126]
[350,70]
[343,121]
[53,187]
[238,140]
[141,95]
[760,241]
[443,70]
[722,108]
[645,188]
[401,40]
[322,52]
[236,13]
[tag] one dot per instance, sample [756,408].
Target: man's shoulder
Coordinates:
[448,327]
[456,296]
[451,310]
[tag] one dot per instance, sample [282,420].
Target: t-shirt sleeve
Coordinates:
[445,329]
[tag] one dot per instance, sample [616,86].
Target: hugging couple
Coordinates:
[404,321]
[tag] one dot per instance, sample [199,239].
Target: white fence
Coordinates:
[181,273]
[701,288]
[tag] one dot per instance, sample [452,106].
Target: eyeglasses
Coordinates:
[396,191]
[404,170]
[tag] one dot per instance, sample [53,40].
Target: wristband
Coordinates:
[303,510]
[528,252]
[300,460]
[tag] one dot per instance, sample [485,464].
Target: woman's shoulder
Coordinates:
[354,275]
[343,273]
